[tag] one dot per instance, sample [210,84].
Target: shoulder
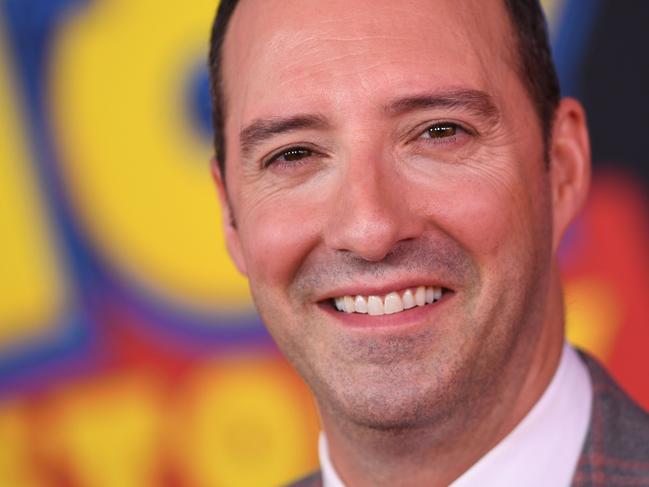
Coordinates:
[312,480]
[617,442]
[615,414]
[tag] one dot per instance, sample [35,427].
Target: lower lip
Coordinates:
[413,317]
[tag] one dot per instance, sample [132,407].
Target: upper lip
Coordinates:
[381,289]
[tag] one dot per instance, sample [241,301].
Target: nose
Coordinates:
[372,212]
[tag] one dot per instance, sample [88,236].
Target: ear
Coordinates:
[569,165]
[232,241]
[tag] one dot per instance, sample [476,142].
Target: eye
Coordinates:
[442,130]
[289,157]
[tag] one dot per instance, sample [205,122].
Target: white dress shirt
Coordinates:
[543,449]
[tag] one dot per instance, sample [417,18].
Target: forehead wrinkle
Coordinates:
[308,54]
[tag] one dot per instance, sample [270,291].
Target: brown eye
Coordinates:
[293,156]
[442,131]
[296,154]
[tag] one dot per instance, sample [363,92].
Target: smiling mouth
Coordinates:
[393,302]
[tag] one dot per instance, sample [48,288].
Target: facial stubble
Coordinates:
[394,381]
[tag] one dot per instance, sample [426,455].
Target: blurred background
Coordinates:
[130,354]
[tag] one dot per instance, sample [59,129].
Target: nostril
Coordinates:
[371,232]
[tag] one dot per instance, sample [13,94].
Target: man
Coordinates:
[396,178]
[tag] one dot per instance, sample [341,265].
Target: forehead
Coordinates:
[285,55]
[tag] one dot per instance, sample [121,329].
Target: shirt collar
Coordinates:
[543,449]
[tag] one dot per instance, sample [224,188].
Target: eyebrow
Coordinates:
[476,102]
[261,130]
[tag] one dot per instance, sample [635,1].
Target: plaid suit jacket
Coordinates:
[616,449]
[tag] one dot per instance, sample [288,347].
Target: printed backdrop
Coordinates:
[130,354]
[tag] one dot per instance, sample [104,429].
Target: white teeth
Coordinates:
[420,296]
[360,304]
[349,304]
[430,295]
[438,293]
[393,302]
[408,299]
[375,306]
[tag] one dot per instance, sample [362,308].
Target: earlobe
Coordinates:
[230,231]
[569,164]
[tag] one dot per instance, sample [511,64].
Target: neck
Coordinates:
[437,454]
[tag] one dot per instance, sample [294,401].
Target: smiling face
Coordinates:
[381,153]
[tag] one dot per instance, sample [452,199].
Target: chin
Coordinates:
[395,400]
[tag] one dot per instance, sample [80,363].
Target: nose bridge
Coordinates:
[371,213]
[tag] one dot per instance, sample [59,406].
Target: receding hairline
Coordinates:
[514,37]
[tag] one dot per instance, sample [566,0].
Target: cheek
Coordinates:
[276,235]
[491,214]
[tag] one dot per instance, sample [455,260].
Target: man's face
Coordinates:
[376,147]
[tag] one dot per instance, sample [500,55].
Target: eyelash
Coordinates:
[293,150]
[441,126]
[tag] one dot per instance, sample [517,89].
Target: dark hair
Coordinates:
[533,58]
